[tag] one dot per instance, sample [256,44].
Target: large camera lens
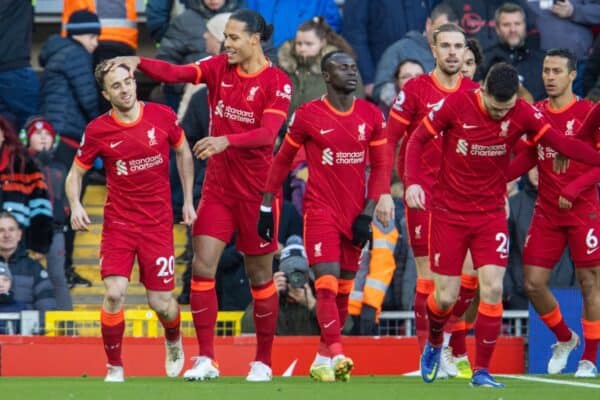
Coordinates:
[296,279]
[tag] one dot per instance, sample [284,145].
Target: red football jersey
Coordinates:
[238,102]
[567,121]
[338,145]
[591,125]
[418,96]
[476,150]
[136,160]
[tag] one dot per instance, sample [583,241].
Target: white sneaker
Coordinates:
[447,362]
[174,357]
[586,369]
[115,374]
[204,368]
[259,372]
[560,354]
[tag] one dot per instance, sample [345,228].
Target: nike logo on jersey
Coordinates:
[325,131]
[467,126]
[226,84]
[263,244]
[503,256]
[263,315]
[590,251]
[167,280]
[430,105]
[115,144]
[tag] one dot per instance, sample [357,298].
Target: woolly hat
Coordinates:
[82,22]
[4,271]
[216,26]
[38,124]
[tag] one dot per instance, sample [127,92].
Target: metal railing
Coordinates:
[401,323]
[24,322]
[138,323]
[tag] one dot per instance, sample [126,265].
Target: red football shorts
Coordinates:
[154,251]
[486,235]
[219,217]
[547,239]
[418,224]
[324,241]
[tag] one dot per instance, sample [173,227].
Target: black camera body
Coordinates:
[296,278]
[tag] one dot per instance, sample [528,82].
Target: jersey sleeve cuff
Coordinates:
[81,164]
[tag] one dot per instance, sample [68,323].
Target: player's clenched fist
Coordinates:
[266,225]
[361,230]
[415,197]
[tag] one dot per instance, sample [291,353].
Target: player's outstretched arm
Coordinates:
[73,183]
[185,168]
[169,73]
[522,163]
[570,147]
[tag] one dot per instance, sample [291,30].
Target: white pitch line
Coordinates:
[553,381]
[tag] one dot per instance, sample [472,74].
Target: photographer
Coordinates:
[294,283]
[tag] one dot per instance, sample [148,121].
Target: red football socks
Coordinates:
[591,338]
[266,308]
[113,328]
[204,307]
[328,314]
[423,289]
[437,320]
[487,330]
[556,323]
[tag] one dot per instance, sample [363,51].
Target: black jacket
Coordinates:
[68,95]
[528,62]
[16,22]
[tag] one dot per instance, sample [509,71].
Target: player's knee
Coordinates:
[533,287]
[588,283]
[202,267]
[114,297]
[446,299]
[492,292]
[160,307]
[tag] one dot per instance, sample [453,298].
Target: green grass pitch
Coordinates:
[364,388]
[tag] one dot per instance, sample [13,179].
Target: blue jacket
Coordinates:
[68,97]
[372,26]
[287,15]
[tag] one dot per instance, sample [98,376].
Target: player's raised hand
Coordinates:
[564,203]
[132,62]
[266,224]
[189,214]
[361,230]
[415,197]
[79,218]
[210,146]
[384,210]
[560,164]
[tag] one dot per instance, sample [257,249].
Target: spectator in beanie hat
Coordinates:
[40,139]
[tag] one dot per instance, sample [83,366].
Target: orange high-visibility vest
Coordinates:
[118,18]
[371,288]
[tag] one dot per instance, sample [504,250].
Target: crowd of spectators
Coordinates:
[391,42]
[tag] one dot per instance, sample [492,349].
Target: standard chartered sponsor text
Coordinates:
[488,151]
[144,163]
[349,157]
[239,115]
